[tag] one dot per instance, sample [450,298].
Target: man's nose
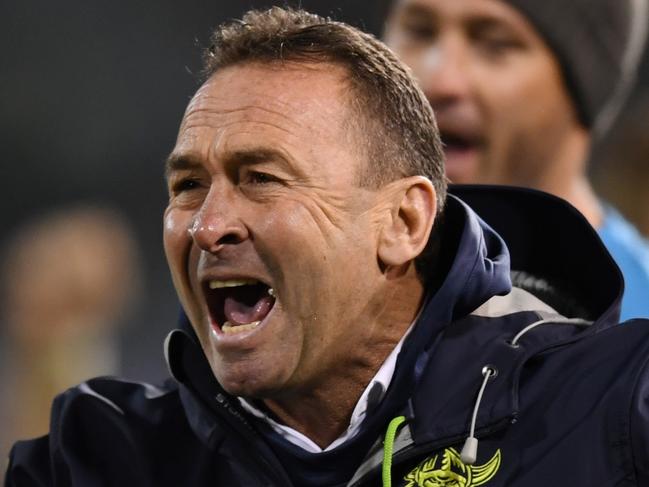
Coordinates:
[217,224]
[444,73]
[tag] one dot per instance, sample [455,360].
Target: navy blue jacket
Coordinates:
[568,405]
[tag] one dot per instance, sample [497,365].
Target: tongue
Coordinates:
[240,313]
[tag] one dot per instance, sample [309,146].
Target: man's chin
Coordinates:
[462,165]
[241,387]
[249,382]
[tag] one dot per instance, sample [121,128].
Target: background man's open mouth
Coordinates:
[459,143]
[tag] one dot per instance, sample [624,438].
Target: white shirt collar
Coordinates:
[377,388]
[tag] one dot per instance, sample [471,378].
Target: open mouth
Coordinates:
[458,143]
[238,305]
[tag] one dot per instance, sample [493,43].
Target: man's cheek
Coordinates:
[176,225]
[176,237]
[178,247]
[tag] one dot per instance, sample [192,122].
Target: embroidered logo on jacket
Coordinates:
[452,472]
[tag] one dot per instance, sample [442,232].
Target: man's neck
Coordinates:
[582,196]
[322,419]
[566,175]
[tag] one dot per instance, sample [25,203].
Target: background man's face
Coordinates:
[263,192]
[494,85]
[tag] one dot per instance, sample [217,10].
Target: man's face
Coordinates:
[495,87]
[270,241]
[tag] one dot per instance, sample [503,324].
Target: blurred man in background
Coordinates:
[68,279]
[521,89]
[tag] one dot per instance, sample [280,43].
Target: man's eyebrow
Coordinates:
[488,23]
[252,156]
[259,155]
[256,156]
[179,162]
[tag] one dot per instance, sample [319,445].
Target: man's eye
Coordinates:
[255,177]
[499,45]
[184,185]
[496,42]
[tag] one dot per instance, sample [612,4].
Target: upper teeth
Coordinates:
[231,283]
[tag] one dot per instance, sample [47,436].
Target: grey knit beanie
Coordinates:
[599,45]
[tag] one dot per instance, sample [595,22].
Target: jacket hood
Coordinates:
[473,260]
[549,239]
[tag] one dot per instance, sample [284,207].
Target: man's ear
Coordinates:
[406,233]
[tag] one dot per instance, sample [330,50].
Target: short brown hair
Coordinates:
[401,134]
[392,115]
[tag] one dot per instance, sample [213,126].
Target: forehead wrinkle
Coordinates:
[281,100]
[199,125]
[222,129]
[222,140]
[247,141]
[217,95]
[211,117]
[225,104]
[225,118]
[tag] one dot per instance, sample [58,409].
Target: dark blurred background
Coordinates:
[91,95]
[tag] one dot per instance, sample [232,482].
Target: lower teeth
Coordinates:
[230,328]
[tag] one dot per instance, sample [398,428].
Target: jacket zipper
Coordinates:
[245,431]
